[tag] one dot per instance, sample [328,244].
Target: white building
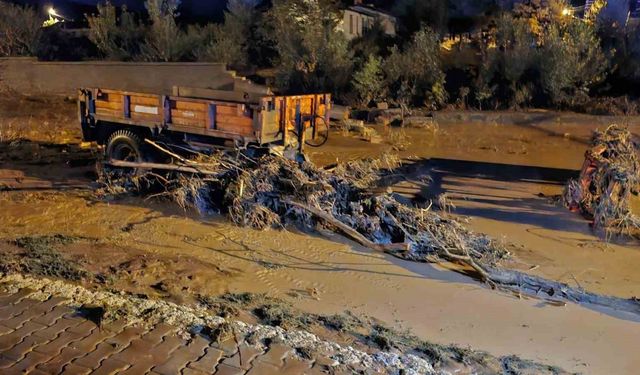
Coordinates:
[359,18]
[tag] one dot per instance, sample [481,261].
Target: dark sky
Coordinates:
[198,10]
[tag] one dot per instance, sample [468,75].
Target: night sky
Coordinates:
[190,10]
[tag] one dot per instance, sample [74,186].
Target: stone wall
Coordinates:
[29,76]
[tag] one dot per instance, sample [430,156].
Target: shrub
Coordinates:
[369,81]
[415,74]
[19,30]
[116,39]
[312,54]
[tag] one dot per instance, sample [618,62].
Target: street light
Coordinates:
[567,12]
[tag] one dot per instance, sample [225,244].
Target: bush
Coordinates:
[231,41]
[414,74]
[369,81]
[571,62]
[312,54]
[19,30]
[116,39]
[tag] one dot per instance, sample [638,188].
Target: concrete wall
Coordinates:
[28,76]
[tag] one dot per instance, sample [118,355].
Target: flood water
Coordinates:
[493,169]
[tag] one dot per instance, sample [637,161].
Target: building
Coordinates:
[360,18]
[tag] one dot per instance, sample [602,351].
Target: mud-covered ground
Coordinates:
[499,169]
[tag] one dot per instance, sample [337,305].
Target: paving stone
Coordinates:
[166,347]
[124,338]
[9,340]
[4,363]
[20,350]
[61,325]
[190,371]
[55,346]
[209,361]
[141,366]
[4,330]
[15,297]
[35,359]
[276,354]
[182,356]
[264,368]
[223,369]
[26,316]
[116,326]
[8,311]
[26,366]
[72,369]
[50,304]
[95,358]
[229,346]
[156,335]
[295,366]
[52,316]
[110,366]
[135,352]
[246,354]
[89,343]
[59,361]
[84,328]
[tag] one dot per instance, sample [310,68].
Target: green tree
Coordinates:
[369,81]
[230,42]
[312,54]
[571,61]
[19,30]
[117,39]
[415,74]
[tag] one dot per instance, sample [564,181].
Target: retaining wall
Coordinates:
[29,76]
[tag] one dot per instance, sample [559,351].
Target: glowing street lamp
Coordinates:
[53,19]
[567,12]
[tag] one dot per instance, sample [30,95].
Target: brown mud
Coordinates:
[492,168]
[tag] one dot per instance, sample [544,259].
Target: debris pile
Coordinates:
[275,192]
[608,179]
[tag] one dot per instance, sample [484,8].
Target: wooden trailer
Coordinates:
[203,118]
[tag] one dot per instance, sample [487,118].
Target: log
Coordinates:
[350,232]
[166,167]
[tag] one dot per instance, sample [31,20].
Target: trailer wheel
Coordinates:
[124,145]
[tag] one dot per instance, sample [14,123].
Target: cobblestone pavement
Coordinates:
[47,337]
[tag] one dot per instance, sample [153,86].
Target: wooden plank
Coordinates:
[110,98]
[222,95]
[145,100]
[109,112]
[227,110]
[188,106]
[109,105]
[197,115]
[145,117]
[188,122]
[234,119]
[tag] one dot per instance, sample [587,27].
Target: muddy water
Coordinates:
[329,274]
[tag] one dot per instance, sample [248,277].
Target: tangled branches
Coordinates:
[609,177]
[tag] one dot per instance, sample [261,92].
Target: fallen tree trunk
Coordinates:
[158,166]
[350,232]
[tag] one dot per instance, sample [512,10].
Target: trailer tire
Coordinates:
[124,145]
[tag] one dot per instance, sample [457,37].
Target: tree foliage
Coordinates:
[312,54]
[19,30]
[414,74]
[230,42]
[117,39]
[369,81]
